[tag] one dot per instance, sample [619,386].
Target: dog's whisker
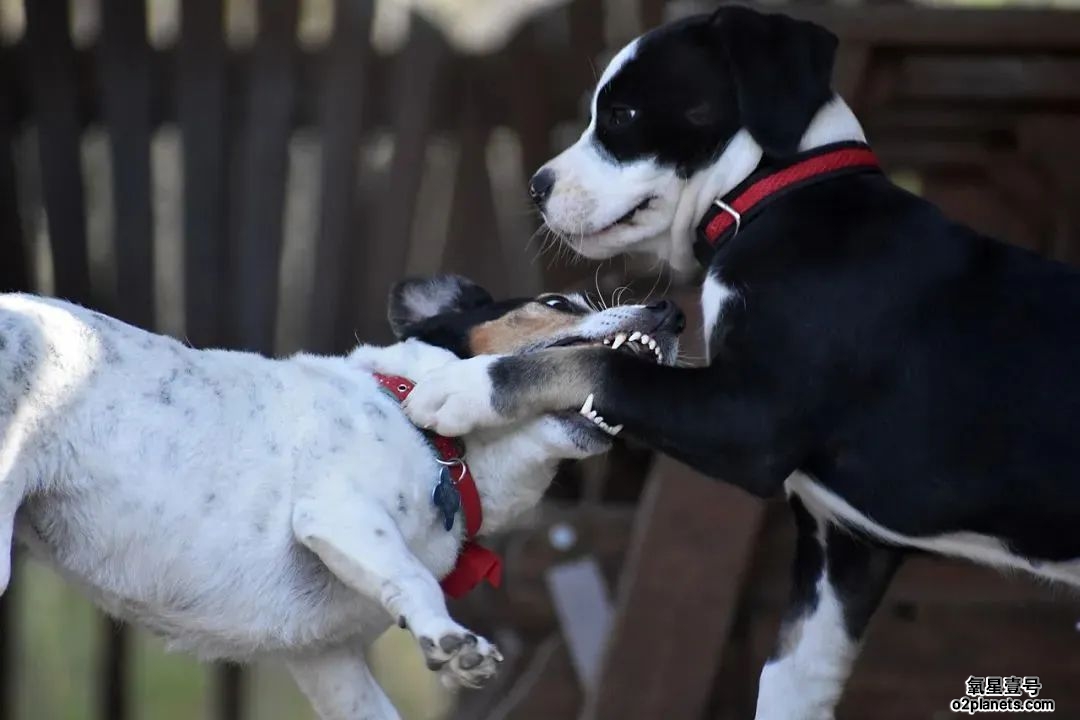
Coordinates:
[596,284]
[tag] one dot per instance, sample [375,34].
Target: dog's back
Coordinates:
[952,355]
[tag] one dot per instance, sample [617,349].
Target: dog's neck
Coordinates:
[834,122]
[512,465]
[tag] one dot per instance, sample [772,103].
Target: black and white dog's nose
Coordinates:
[671,317]
[540,186]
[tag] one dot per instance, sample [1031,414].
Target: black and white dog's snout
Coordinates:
[669,317]
[541,185]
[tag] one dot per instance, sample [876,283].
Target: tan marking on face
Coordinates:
[530,324]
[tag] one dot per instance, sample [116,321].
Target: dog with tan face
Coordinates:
[244,507]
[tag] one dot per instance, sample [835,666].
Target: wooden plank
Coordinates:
[851,71]
[418,69]
[259,197]
[546,688]
[229,686]
[124,57]
[919,154]
[1052,142]
[14,271]
[472,246]
[1015,79]
[201,111]
[7,646]
[691,532]
[919,27]
[944,119]
[54,93]
[112,671]
[652,13]
[342,92]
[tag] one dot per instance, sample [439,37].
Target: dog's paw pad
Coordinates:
[463,658]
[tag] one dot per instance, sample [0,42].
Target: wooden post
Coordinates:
[55,94]
[201,112]
[7,647]
[259,197]
[124,62]
[679,589]
[343,91]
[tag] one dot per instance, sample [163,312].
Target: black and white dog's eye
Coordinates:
[557,302]
[621,115]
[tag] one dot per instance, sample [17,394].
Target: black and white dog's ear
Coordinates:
[417,299]
[782,70]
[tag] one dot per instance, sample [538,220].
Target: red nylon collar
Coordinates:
[726,216]
[475,562]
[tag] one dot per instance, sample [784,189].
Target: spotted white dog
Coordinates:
[243,507]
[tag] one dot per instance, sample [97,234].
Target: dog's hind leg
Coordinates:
[339,685]
[839,580]
[362,546]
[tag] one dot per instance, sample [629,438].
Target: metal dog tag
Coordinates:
[445,497]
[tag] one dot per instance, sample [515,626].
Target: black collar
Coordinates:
[727,215]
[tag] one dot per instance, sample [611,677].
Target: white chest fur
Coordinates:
[715,295]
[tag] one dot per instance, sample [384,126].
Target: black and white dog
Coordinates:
[243,507]
[910,384]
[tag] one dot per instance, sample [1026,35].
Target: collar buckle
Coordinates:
[735,214]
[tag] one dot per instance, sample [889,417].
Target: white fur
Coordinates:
[833,123]
[241,506]
[983,549]
[714,297]
[805,683]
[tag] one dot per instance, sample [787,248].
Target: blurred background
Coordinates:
[256,173]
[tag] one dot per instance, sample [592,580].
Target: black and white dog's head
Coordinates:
[454,313]
[680,113]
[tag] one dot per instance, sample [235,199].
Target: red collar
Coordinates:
[475,563]
[727,215]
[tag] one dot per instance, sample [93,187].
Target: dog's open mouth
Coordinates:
[660,346]
[635,343]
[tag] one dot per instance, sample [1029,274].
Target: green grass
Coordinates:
[58,636]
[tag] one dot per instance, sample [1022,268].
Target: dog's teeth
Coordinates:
[615,430]
[652,343]
[591,414]
[619,340]
[645,339]
[587,407]
[635,336]
[607,341]
[597,420]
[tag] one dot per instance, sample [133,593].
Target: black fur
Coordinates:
[440,310]
[692,84]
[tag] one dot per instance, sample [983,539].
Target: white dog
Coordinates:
[244,507]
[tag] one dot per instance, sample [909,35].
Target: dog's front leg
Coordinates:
[705,417]
[340,686]
[838,581]
[362,546]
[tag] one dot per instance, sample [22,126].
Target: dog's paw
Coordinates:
[454,399]
[461,657]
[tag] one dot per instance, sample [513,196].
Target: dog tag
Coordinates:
[446,498]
